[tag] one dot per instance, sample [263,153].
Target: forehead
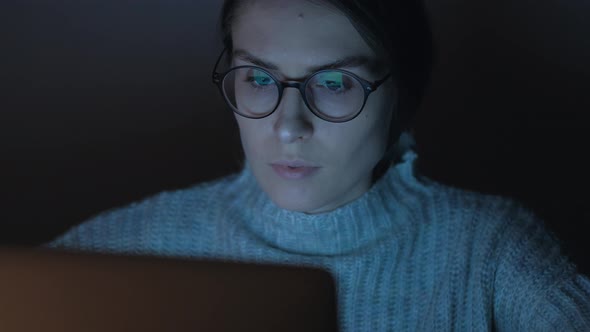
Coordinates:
[297,32]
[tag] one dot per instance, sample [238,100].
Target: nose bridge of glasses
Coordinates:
[300,101]
[296,85]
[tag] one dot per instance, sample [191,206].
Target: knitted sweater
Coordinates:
[408,255]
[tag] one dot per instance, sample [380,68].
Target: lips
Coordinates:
[294,163]
[294,169]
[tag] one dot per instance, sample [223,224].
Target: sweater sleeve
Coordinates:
[536,288]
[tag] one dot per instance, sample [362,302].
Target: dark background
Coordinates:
[105,102]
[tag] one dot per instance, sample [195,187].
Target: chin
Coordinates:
[305,196]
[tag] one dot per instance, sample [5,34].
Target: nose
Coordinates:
[293,123]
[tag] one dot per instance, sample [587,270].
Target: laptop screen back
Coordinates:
[59,291]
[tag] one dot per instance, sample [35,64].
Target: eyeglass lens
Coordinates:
[252,92]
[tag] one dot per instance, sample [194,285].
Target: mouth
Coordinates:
[294,163]
[294,170]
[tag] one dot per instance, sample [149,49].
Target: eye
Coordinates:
[259,78]
[336,82]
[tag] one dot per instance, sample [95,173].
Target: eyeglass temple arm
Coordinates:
[215,75]
[376,84]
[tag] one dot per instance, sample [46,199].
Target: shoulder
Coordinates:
[146,225]
[446,205]
[440,202]
[170,205]
[491,227]
[457,214]
[506,218]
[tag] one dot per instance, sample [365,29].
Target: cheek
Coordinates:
[357,148]
[373,128]
[251,135]
[383,113]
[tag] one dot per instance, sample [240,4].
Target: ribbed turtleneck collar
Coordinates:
[351,227]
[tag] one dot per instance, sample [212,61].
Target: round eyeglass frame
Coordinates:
[368,88]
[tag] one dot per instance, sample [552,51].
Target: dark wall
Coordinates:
[105,102]
[508,112]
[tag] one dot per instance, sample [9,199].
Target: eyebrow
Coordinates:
[352,61]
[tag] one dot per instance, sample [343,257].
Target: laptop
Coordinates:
[43,290]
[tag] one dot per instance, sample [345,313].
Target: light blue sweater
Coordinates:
[408,255]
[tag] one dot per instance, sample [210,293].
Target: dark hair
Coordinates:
[397,30]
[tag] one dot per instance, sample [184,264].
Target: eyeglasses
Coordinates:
[333,95]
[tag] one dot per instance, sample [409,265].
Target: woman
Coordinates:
[322,92]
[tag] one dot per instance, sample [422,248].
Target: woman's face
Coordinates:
[291,38]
